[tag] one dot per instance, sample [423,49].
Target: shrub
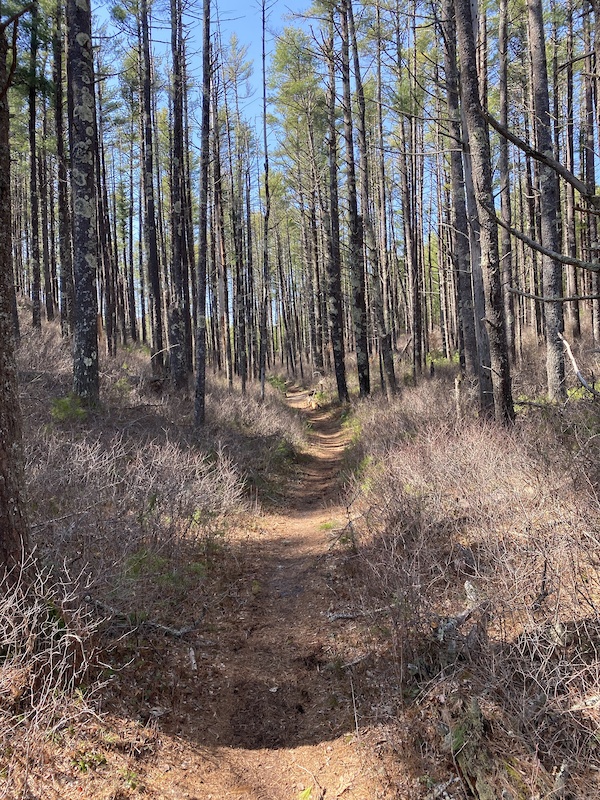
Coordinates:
[482,543]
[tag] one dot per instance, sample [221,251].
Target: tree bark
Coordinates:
[569,227]
[83,140]
[460,226]
[384,337]
[178,308]
[332,227]
[355,239]
[506,254]
[150,237]
[200,396]
[548,199]
[263,345]
[64,212]
[34,199]
[14,542]
[482,177]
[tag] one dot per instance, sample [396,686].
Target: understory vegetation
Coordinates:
[128,513]
[479,548]
[469,557]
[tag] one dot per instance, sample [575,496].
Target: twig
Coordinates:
[354,707]
[356,661]
[356,614]
[166,629]
[531,403]
[544,592]
[315,779]
[64,517]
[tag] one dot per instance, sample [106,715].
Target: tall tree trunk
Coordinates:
[266,219]
[385,339]
[571,241]
[36,275]
[506,255]
[482,176]
[200,397]
[332,227]
[108,288]
[42,161]
[355,239]
[80,75]
[177,306]
[150,237]
[548,199]
[595,64]
[407,195]
[460,225]
[14,541]
[220,234]
[236,221]
[133,329]
[250,289]
[64,212]
[381,195]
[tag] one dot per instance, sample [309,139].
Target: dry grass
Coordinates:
[475,564]
[482,544]
[129,510]
[47,647]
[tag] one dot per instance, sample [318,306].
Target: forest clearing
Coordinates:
[299,423]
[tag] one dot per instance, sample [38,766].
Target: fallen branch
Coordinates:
[177,633]
[580,377]
[357,614]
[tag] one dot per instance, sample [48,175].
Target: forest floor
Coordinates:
[393,601]
[262,699]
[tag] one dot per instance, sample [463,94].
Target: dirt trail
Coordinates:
[274,715]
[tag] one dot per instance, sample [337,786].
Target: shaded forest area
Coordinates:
[402,219]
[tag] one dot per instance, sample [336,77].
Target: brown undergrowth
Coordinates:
[211,620]
[130,514]
[480,550]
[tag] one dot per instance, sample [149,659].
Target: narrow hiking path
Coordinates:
[267,696]
[275,716]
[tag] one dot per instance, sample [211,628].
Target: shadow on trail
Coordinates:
[264,670]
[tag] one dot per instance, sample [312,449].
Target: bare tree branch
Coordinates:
[15,17]
[580,377]
[562,259]
[3,26]
[544,158]
[553,299]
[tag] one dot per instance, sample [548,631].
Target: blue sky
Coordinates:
[242,18]
[245,20]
